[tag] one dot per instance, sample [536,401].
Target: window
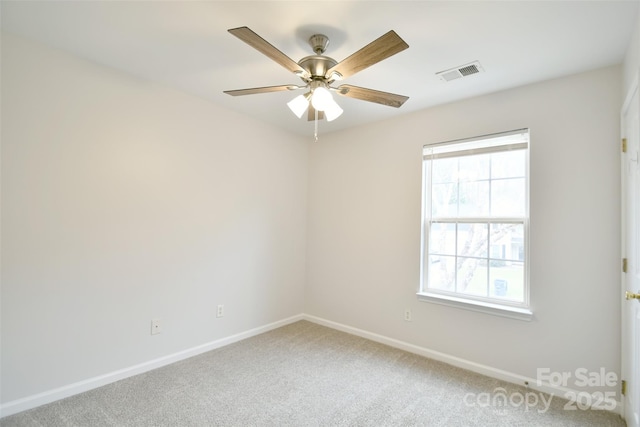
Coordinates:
[475,224]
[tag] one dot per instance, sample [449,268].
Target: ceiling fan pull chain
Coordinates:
[316,127]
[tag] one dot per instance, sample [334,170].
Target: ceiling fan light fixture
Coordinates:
[299,104]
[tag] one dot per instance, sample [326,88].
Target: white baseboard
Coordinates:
[488,371]
[29,402]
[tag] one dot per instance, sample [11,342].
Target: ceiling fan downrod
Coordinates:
[319,43]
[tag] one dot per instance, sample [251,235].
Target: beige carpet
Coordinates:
[304,374]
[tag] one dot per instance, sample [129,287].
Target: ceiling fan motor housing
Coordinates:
[317,65]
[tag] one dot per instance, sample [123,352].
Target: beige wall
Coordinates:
[364,228]
[124,201]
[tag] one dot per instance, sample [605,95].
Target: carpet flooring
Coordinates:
[304,374]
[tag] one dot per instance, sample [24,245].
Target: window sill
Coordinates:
[482,307]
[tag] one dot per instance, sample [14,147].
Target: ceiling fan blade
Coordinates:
[311,115]
[379,49]
[252,39]
[384,98]
[264,89]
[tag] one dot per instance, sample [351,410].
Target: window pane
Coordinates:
[444,201]
[442,273]
[471,276]
[474,168]
[508,164]
[442,238]
[507,242]
[507,281]
[507,197]
[472,240]
[444,170]
[474,199]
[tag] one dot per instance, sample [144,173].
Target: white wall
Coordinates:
[123,201]
[364,228]
[631,63]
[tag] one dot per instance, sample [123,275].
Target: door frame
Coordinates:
[632,95]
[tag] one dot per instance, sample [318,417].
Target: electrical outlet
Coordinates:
[407,315]
[156,326]
[220,311]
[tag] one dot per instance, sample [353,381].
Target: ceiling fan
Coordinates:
[319,72]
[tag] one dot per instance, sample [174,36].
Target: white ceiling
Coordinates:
[185,44]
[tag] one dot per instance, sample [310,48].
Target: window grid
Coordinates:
[487,258]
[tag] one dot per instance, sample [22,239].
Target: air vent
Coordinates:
[461,71]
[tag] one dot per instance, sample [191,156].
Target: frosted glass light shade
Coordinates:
[321,98]
[299,105]
[332,111]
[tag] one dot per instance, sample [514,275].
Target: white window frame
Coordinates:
[508,140]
